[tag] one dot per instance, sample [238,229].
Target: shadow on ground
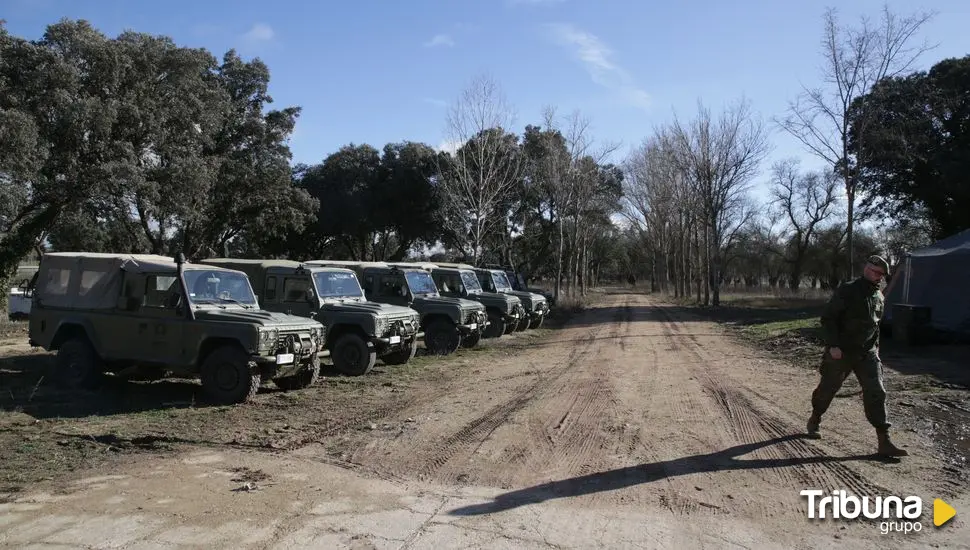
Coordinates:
[645,473]
[25,387]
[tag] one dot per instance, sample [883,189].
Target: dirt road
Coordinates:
[639,424]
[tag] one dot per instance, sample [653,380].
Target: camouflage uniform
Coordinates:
[850,322]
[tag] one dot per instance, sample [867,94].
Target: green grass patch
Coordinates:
[806,328]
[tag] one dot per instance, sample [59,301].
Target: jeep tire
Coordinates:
[442,337]
[401,356]
[523,323]
[537,322]
[496,326]
[77,365]
[229,376]
[510,327]
[471,340]
[352,355]
[304,379]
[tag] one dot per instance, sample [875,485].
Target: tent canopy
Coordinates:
[936,276]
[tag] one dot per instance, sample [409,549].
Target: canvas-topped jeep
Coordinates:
[358,330]
[456,280]
[537,308]
[447,323]
[113,312]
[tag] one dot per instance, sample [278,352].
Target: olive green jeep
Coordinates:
[505,312]
[536,305]
[447,323]
[358,330]
[114,312]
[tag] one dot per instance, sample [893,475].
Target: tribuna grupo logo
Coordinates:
[899,514]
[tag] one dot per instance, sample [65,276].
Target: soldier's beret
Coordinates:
[879,262]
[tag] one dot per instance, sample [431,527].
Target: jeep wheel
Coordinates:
[306,377]
[496,326]
[523,324]
[353,356]
[510,328]
[229,377]
[536,323]
[77,365]
[442,338]
[402,356]
[471,340]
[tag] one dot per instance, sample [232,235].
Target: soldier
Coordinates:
[850,327]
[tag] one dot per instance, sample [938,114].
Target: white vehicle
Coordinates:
[18,299]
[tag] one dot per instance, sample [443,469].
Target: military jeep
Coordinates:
[505,312]
[447,323]
[358,331]
[537,308]
[113,312]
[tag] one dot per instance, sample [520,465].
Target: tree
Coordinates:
[806,200]
[406,199]
[485,167]
[855,58]
[719,159]
[63,110]
[913,146]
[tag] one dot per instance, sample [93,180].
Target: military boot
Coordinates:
[886,447]
[812,428]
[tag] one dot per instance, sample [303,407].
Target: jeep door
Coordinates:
[392,289]
[297,293]
[160,321]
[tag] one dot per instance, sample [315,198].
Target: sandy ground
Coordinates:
[638,425]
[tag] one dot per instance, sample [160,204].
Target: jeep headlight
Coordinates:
[267,338]
[380,325]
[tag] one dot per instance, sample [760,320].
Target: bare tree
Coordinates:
[806,200]
[720,158]
[485,166]
[855,58]
[573,176]
[650,203]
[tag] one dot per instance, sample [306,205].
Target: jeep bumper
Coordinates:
[398,337]
[282,364]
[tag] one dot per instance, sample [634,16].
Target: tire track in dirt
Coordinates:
[445,457]
[752,424]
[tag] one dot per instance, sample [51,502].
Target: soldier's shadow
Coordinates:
[645,473]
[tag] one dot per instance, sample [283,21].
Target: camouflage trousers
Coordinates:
[868,371]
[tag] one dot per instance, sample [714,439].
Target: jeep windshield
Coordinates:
[337,284]
[218,287]
[420,282]
[471,283]
[501,282]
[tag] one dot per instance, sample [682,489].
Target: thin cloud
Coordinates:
[260,32]
[448,146]
[596,57]
[534,2]
[439,40]
[436,102]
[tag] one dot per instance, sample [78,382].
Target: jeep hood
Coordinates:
[497,297]
[264,318]
[528,298]
[442,301]
[373,308]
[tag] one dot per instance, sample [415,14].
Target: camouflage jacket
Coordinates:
[851,317]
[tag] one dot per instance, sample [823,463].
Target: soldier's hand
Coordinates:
[836,353]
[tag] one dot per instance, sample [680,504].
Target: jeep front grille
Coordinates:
[401,326]
[298,342]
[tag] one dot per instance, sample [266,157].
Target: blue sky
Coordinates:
[380,71]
